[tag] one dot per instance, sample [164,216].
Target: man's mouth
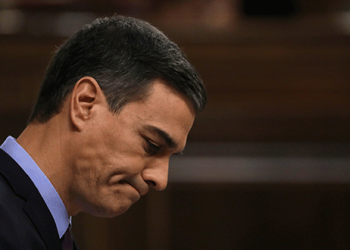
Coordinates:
[139,190]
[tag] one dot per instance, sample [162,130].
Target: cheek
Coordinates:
[107,156]
[97,168]
[125,155]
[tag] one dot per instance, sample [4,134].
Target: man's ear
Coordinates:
[86,93]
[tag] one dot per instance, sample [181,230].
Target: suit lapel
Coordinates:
[35,207]
[38,212]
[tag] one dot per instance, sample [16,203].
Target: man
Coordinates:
[117,101]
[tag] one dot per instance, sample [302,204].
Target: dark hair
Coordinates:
[124,55]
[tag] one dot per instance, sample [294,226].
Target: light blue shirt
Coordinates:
[42,183]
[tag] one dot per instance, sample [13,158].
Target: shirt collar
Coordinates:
[42,183]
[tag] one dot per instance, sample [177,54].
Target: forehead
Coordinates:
[165,109]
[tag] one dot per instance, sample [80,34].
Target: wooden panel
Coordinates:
[260,217]
[219,216]
[274,92]
[275,116]
[23,62]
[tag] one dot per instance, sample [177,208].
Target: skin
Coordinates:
[101,162]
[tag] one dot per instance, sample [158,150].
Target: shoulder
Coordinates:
[16,230]
[26,222]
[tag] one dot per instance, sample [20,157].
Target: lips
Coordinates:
[141,190]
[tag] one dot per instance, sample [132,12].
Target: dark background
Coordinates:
[277,75]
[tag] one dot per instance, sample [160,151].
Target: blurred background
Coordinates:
[267,162]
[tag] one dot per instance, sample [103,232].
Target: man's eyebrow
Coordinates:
[164,135]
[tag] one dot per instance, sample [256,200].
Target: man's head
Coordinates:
[118,100]
[124,55]
[117,157]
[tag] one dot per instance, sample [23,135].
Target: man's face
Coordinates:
[122,155]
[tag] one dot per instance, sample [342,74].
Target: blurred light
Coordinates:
[58,24]
[11,21]
[219,14]
[65,24]
[59,1]
[70,22]
[7,3]
[343,21]
[231,169]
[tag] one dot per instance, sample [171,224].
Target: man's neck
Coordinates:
[46,143]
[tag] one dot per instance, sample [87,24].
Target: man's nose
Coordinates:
[156,173]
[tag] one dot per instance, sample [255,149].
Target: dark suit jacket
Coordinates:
[25,221]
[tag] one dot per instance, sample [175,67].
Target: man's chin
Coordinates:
[110,213]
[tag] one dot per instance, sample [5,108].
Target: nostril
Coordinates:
[151,183]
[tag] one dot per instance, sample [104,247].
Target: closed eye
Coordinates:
[152,148]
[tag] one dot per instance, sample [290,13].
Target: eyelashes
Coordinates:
[151,148]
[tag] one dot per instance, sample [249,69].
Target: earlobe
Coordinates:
[83,98]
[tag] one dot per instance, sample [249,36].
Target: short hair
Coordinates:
[124,55]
